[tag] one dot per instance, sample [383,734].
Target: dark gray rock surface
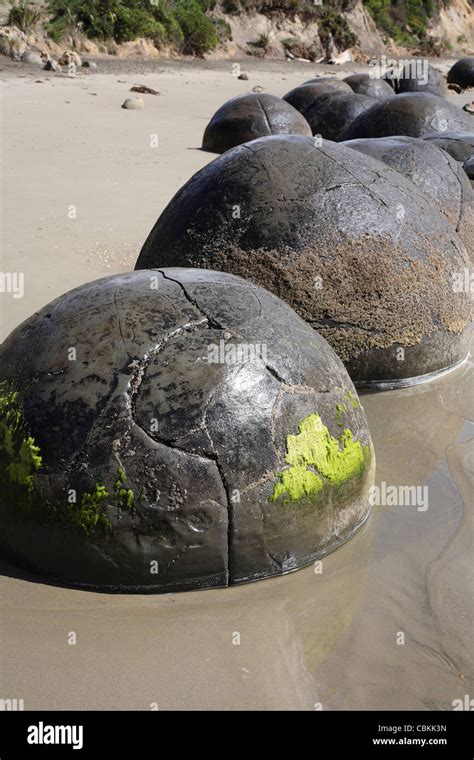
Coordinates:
[433,171]
[373,87]
[351,244]
[332,112]
[462,73]
[247,117]
[414,114]
[459,145]
[171,426]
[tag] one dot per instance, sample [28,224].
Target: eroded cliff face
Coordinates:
[273,35]
[456,25]
[268,36]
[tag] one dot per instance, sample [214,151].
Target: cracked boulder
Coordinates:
[247,117]
[330,113]
[373,87]
[462,73]
[433,171]
[179,429]
[352,245]
[414,114]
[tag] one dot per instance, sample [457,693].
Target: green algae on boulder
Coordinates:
[147,461]
[314,447]
[19,456]
[352,245]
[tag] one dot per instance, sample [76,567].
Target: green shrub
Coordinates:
[407,21]
[23,16]
[199,32]
[136,22]
[182,23]
[332,22]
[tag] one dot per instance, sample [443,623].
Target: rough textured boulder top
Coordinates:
[330,113]
[459,145]
[248,117]
[373,87]
[179,429]
[351,244]
[433,172]
[462,73]
[412,113]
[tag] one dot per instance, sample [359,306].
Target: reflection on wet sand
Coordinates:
[326,637]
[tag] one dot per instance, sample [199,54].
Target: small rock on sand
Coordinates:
[243,76]
[133,103]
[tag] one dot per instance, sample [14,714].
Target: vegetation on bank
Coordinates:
[191,27]
[406,21]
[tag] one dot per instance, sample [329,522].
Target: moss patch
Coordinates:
[20,459]
[19,456]
[124,495]
[316,458]
[90,515]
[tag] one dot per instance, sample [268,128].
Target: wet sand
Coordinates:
[309,640]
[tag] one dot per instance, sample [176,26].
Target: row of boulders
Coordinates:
[412,104]
[169,461]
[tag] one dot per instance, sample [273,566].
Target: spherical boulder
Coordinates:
[247,117]
[459,145]
[411,113]
[357,250]
[373,87]
[434,173]
[331,113]
[420,76]
[304,96]
[462,73]
[179,429]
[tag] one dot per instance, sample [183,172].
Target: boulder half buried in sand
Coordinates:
[331,113]
[351,244]
[421,76]
[179,429]
[247,117]
[412,113]
[462,73]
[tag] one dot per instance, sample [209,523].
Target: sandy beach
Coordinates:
[83,182]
